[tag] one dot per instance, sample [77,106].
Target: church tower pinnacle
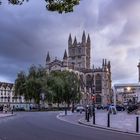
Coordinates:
[138,71]
[65,59]
[48,58]
[88,40]
[75,41]
[70,41]
[83,38]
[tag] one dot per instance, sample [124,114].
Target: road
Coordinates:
[45,126]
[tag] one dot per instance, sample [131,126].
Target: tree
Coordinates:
[61,5]
[20,84]
[52,5]
[57,86]
[72,88]
[31,86]
[35,82]
[64,86]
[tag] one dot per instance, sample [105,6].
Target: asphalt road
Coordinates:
[45,126]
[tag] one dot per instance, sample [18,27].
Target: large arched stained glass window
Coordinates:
[98,83]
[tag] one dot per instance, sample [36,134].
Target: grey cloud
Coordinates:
[29,31]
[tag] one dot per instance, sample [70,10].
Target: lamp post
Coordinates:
[93,104]
[72,89]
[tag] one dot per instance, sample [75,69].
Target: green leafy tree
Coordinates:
[55,82]
[31,86]
[34,90]
[58,86]
[52,5]
[20,83]
[34,83]
[72,86]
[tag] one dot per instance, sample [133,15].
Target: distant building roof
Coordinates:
[127,85]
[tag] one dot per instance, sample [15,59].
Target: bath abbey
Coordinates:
[95,82]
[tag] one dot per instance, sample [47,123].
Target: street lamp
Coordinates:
[72,89]
[93,104]
[73,96]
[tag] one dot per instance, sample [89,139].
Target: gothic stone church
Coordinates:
[94,81]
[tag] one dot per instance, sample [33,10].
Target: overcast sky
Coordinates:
[29,31]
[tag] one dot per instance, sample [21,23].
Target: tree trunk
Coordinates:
[72,107]
[58,105]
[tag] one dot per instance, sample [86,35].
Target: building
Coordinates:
[8,98]
[94,81]
[127,93]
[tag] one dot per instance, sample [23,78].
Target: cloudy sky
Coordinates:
[29,31]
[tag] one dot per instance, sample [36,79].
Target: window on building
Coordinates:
[73,58]
[98,83]
[79,50]
[88,81]
[98,99]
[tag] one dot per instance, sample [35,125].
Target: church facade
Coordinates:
[95,82]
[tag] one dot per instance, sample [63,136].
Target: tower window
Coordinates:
[73,58]
[79,50]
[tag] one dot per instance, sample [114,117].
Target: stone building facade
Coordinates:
[8,98]
[94,81]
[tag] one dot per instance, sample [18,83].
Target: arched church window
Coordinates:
[98,83]
[89,81]
[98,99]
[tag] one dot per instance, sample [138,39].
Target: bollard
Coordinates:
[93,117]
[93,111]
[108,120]
[88,117]
[65,110]
[86,114]
[137,124]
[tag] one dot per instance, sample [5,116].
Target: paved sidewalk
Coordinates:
[120,122]
[2,115]
[71,117]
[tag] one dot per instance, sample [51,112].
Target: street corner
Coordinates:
[4,115]
[84,122]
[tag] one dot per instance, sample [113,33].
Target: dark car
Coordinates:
[131,108]
[100,107]
[1,108]
[120,108]
[106,107]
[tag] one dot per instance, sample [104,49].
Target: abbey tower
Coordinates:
[79,52]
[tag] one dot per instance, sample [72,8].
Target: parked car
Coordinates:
[106,107]
[100,107]
[80,108]
[19,109]
[120,108]
[1,108]
[131,108]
